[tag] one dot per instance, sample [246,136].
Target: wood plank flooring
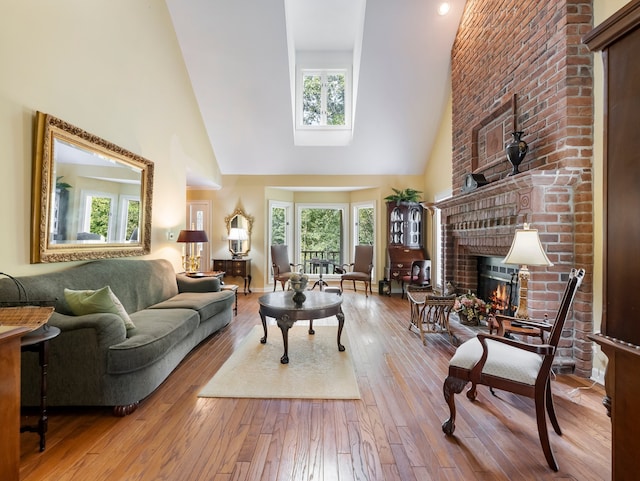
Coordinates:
[393,433]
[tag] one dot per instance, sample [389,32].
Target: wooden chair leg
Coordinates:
[452,386]
[421,320]
[341,290]
[551,409]
[354,286]
[366,289]
[472,393]
[543,434]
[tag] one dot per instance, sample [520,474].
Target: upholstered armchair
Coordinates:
[420,275]
[282,268]
[511,365]
[360,268]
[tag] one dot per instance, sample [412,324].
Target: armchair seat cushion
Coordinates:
[356,276]
[521,366]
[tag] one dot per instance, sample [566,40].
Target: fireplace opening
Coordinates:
[498,284]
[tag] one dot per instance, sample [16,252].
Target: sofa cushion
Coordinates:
[207,304]
[156,332]
[96,302]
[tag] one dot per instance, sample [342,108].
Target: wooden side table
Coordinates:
[38,341]
[236,268]
[196,275]
[234,288]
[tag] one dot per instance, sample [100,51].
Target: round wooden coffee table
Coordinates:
[280,306]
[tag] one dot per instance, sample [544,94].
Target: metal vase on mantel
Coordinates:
[516,150]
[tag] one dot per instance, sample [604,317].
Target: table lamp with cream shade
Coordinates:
[526,250]
[191,261]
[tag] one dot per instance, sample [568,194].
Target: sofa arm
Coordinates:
[108,329]
[77,361]
[197,284]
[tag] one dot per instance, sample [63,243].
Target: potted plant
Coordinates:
[471,309]
[404,195]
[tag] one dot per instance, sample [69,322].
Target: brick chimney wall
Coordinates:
[521,65]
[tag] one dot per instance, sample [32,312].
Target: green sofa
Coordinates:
[96,361]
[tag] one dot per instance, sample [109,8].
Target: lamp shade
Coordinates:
[192,236]
[236,233]
[526,249]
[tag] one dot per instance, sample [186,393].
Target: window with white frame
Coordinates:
[323,99]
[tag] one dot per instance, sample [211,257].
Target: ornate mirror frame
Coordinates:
[239,219]
[70,168]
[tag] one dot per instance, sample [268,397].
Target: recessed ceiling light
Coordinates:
[443,8]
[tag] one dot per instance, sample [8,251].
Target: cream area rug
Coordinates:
[316,369]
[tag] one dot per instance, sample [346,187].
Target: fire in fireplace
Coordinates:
[498,284]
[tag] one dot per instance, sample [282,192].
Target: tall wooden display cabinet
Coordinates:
[619,40]
[405,238]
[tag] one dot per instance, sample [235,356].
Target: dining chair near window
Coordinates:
[360,269]
[514,366]
[282,268]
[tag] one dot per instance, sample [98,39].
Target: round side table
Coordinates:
[38,341]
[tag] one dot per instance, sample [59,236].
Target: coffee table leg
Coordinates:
[340,317]
[264,326]
[311,331]
[285,323]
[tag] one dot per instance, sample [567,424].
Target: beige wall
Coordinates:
[114,69]
[252,194]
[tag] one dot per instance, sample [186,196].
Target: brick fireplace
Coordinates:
[521,66]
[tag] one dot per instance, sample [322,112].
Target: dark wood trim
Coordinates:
[613,28]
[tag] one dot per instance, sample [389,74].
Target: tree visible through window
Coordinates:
[323,98]
[365,226]
[133,217]
[100,216]
[321,231]
[278,233]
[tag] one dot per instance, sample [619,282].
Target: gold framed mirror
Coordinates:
[90,198]
[239,226]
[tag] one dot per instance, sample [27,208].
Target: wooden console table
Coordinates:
[235,268]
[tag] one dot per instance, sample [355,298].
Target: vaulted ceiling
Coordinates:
[240,54]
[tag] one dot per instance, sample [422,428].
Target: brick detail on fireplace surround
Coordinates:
[483,224]
[524,60]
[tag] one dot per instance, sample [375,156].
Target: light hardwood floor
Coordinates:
[392,433]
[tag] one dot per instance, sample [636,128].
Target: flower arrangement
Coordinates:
[471,309]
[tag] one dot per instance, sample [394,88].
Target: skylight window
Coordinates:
[323,99]
[323,110]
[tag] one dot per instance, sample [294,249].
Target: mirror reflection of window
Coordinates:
[96,218]
[103,193]
[128,219]
[77,162]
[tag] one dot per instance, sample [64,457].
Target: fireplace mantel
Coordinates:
[515,185]
[483,222]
